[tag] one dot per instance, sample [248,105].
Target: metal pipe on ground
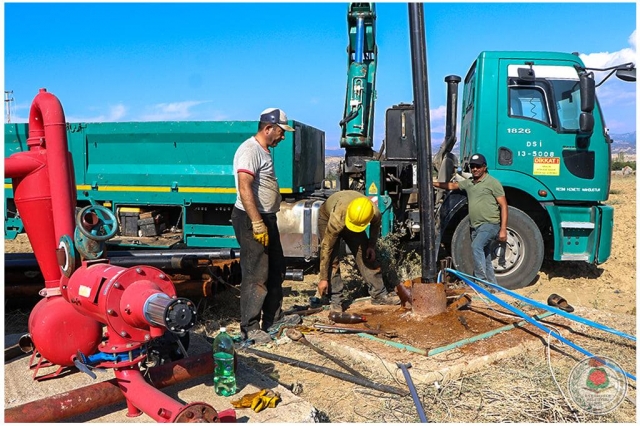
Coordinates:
[186,288]
[297,336]
[414,393]
[83,400]
[323,370]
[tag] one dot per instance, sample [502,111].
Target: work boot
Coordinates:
[285,321]
[387,299]
[259,337]
[336,307]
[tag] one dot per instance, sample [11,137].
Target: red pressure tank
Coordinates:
[58,331]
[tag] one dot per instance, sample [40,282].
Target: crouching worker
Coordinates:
[345,215]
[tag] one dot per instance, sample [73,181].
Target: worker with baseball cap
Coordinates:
[488,214]
[345,216]
[254,222]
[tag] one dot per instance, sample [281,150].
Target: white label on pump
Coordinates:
[84,291]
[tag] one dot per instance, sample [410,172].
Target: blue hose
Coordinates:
[359,40]
[527,317]
[414,393]
[547,307]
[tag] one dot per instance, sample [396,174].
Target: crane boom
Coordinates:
[357,121]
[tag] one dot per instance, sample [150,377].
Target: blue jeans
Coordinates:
[481,238]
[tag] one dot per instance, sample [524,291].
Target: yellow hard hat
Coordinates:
[359,214]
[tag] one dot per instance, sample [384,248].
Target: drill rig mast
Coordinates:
[357,121]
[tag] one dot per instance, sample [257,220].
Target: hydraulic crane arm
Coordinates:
[357,122]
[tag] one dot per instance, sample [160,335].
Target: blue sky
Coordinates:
[229,61]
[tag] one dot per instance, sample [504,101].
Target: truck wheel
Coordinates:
[517,264]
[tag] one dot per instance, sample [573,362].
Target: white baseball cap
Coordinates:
[276,116]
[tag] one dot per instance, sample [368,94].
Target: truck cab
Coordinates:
[534,116]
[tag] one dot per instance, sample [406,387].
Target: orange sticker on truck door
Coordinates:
[546,166]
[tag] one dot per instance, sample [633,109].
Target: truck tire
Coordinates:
[518,264]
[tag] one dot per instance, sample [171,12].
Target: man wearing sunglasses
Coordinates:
[487,214]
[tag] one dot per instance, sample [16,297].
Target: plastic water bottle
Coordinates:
[224,377]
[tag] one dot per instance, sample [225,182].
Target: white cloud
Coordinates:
[608,59]
[617,98]
[438,119]
[171,111]
[116,113]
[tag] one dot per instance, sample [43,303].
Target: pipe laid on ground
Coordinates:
[83,400]
[327,371]
[412,389]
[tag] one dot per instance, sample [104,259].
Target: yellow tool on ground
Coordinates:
[258,401]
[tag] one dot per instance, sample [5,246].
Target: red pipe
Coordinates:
[145,397]
[46,118]
[43,183]
[65,405]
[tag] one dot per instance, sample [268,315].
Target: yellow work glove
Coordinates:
[269,400]
[258,401]
[260,232]
[245,401]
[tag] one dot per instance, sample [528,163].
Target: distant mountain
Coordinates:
[334,152]
[624,142]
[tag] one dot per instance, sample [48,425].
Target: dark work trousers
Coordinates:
[357,243]
[263,271]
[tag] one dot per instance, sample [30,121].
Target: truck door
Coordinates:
[538,130]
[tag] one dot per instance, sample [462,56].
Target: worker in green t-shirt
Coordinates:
[487,214]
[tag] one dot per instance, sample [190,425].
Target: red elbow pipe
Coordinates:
[43,184]
[46,119]
[141,396]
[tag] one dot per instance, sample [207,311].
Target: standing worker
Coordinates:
[346,215]
[254,223]
[488,214]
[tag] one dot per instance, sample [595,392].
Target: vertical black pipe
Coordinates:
[423,139]
[452,111]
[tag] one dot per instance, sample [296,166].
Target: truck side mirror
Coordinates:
[526,74]
[587,93]
[626,74]
[586,123]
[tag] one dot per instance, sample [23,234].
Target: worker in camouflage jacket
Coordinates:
[345,216]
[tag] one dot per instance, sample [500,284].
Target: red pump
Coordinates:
[136,304]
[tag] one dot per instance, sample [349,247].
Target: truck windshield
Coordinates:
[567,96]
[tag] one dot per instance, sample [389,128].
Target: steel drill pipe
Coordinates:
[89,398]
[327,371]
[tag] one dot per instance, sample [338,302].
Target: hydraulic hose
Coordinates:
[548,308]
[526,317]
[412,389]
